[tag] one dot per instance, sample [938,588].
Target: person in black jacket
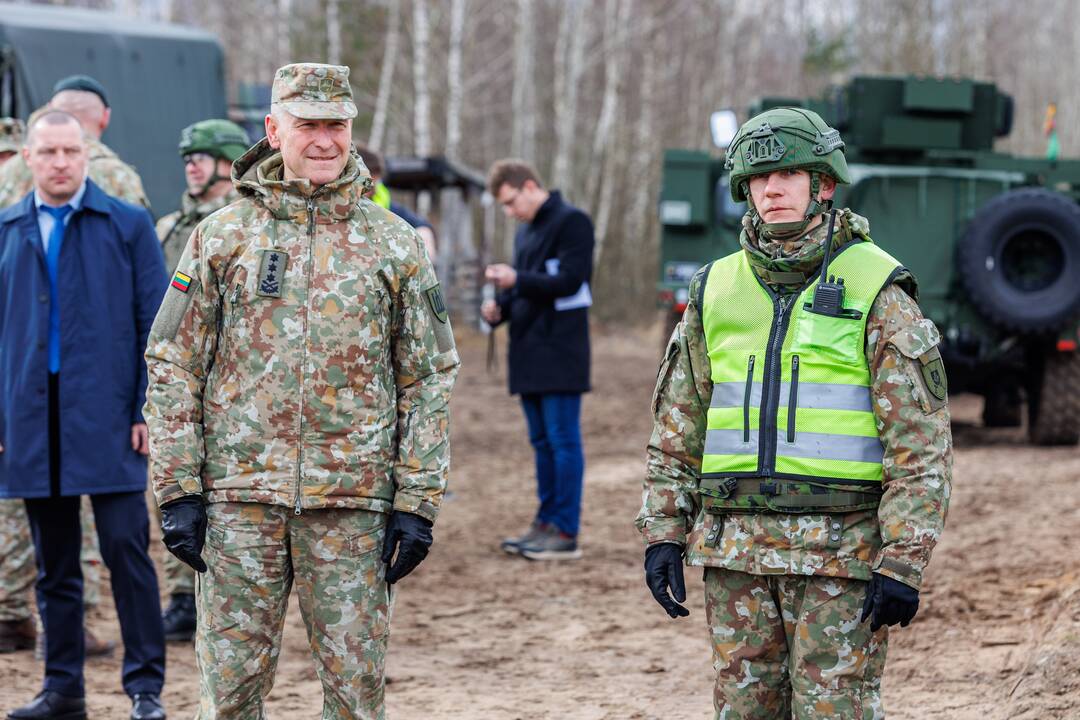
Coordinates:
[545,297]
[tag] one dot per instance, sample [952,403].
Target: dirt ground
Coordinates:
[477,634]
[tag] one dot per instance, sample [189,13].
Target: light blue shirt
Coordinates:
[46,221]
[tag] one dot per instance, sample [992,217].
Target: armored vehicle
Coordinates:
[993,239]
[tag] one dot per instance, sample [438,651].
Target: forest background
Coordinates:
[592,91]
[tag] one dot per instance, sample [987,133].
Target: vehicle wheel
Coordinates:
[1020,258]
[1003,407]
[1054,406]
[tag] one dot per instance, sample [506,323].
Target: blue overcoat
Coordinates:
[110,279]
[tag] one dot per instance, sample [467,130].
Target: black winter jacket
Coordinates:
[549,348]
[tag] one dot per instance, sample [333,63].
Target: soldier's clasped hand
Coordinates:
[183,529]
[889,602]
[663,570]
[410,535]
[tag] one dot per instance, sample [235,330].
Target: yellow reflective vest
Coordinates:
[790,423]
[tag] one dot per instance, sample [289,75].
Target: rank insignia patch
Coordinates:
[181,281]
[272,273]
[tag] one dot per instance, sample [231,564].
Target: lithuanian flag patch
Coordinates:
[181,281]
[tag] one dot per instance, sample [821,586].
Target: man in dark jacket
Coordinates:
[81,276]
[545,297]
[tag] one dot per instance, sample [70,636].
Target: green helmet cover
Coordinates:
[219,138]
[785,138]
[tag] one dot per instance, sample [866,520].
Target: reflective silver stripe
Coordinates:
[729,442]
[731,394]
[828,396]
[825,446]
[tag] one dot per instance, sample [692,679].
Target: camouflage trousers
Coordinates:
[255,553]
[179,577]
[792,646]
[18,568]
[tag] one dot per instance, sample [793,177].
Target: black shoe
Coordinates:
[551,545]
[179,618]
[51,705]
[147,706]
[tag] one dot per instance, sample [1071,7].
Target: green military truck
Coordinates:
[993,239]
[160,78]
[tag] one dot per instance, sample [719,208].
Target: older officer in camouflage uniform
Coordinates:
[85,98]
[208,149]
[801,450]
[300,369]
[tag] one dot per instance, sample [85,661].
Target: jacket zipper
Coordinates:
[746,399]
[767,443]
[303,357]
[793,398]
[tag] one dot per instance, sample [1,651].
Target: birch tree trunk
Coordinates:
[421,93]
[569,56]
[386,77]
[284,41]
[604,179]
[455,83]
[523,101]
[333,32]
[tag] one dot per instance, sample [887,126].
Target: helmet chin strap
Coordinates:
[781,232]
[211,182]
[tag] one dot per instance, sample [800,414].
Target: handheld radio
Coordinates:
[829,293]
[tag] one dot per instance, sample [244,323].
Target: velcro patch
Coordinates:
[174,306]
[435,299]
[272,273]
[444,336]
[933,373]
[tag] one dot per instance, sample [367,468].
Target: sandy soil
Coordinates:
[477,634]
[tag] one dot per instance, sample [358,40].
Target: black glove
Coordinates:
[410,535]
[663,568]
[889,602]
[183,529]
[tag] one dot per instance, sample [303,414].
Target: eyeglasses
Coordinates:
[197,158]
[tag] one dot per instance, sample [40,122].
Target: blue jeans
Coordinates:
[555,433]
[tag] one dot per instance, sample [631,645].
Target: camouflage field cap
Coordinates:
[12,132]
[314,91]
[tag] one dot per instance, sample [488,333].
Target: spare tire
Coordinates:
[1020,260]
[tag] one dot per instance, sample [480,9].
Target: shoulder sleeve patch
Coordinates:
[919,345]
[174,306]
[444,336]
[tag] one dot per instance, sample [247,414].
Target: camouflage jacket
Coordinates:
[897,538]
[106,169]
[302,355]
[175,228]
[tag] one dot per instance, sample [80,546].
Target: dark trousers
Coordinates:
[123,527]
[554,421]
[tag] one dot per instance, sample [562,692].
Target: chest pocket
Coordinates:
[836,339]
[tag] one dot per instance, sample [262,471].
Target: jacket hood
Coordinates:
[259,174]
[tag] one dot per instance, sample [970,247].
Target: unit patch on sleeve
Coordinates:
[272,273]
[435,299]
[933,374]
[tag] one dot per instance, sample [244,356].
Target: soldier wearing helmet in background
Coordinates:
[801,449]
[208,149]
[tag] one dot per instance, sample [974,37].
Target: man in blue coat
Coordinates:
[545,297]
[81,276]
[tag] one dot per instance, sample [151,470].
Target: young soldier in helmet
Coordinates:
[208,149]
[801,450]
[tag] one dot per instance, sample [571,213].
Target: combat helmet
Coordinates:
[786,138]
[11,134]
[219,138]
